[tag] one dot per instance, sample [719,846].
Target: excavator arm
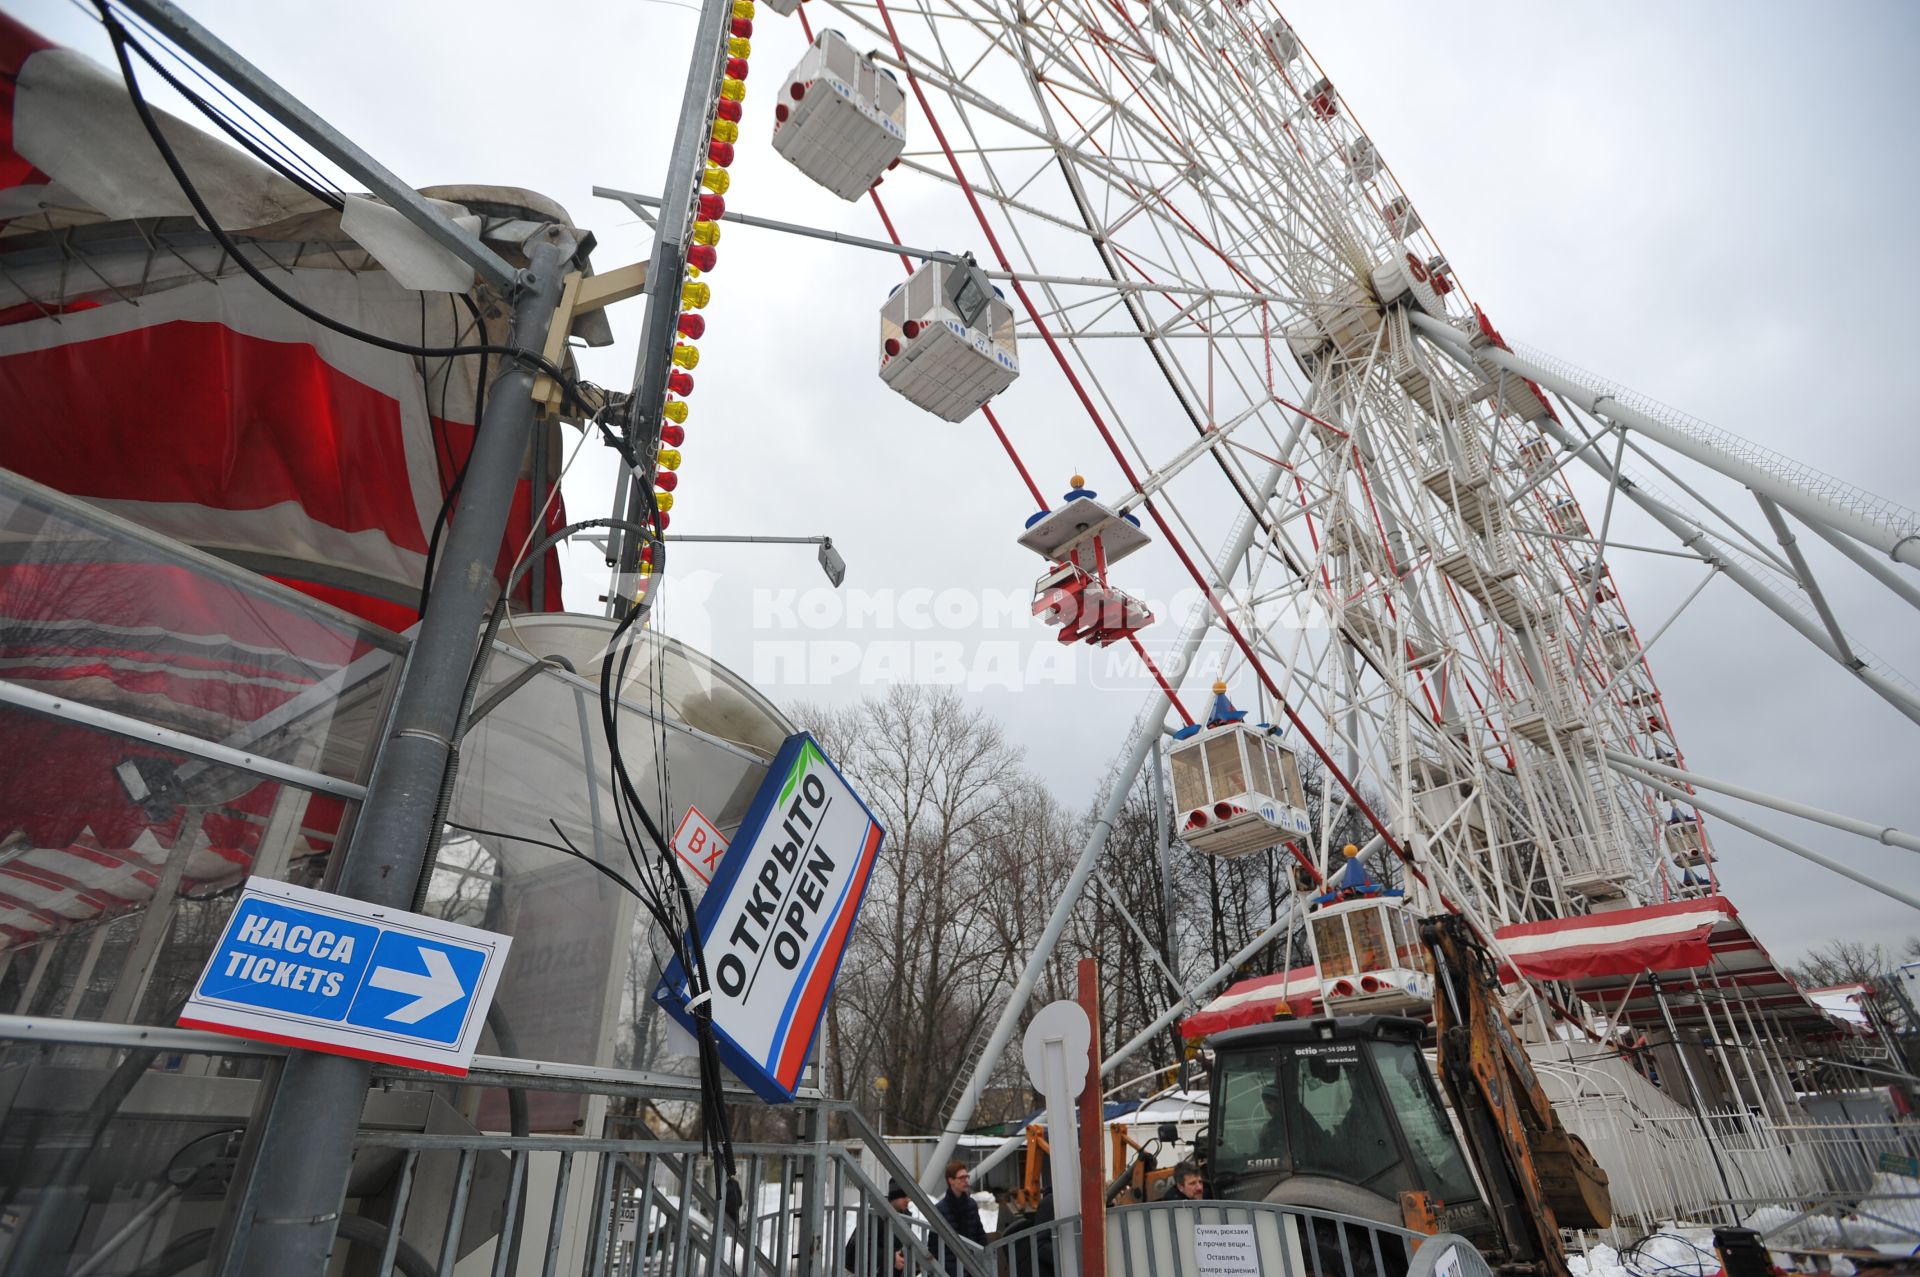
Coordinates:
[1538,1178]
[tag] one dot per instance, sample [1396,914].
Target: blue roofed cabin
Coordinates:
[1236,784]
[1080,539]
[1369,956]
[1684,839]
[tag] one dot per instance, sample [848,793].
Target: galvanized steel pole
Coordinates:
[665,269]
[293,1170]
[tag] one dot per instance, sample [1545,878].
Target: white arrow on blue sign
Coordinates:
[314,970]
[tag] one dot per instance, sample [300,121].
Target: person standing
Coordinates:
[886,1255]
[961,1212]
[1187,1183]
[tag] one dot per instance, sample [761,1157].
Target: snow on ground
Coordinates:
[1685,1249]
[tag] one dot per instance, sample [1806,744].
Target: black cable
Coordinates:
[460,475]
[566,849]
[261,132]
[246,140]
[121,42]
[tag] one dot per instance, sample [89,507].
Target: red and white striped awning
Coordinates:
[1256,1001]
[1711,967]
[141,370]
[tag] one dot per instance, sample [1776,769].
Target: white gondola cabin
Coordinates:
[1363,160]
[1369,957]
[840,119]
[946,339]
[1685,841]
[1564,517]
[1280,41]
[1400,217]
[1236,786]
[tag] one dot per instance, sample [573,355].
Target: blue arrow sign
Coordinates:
[314,970]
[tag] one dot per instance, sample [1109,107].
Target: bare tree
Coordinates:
[1843,962]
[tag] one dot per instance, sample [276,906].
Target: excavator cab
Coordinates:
[1339,1114]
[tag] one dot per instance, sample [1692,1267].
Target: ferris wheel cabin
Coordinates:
[841,120]
[1370,958]
[946,339]
[1237,783]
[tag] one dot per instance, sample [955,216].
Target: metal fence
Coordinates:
[1167,1239]
[118,1145]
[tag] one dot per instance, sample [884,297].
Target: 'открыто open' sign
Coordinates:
[777,918]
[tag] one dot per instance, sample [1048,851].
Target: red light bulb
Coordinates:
[727,109]
[692,325]
[680,383]
[673,436]
[712,207]
[720,153]
[737,68]
[703,256]
[666,481]
[663,519]
[780,113]
[797,91]
[741,27]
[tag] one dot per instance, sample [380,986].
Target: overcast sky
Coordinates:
[1712,203]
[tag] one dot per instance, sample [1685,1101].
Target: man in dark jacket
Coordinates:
[960,1211]
[886,1255]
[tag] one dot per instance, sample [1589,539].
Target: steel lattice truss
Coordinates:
[1182,179]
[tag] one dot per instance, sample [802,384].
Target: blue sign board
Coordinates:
[314,970]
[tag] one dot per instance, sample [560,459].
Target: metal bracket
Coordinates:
[581,294]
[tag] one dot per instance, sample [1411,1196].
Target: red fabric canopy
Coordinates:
[1711,967]
[1256,1001]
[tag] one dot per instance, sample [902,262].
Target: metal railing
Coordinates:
[1179,1237]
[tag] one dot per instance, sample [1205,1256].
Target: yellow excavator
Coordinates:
[1342,1113]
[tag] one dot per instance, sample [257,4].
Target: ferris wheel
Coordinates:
[1183,179]
[1178,215]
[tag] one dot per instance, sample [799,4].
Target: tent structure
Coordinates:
[1256,1001]
[1711,967]
[142,369]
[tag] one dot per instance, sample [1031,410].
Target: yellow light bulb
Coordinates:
[664,500]
[646,569]
[694,296]
[726,131]
[733,90]
[739,46]
[674,410]
[706,232]
[743,9]
[669,458]
[686,356]
[715,179]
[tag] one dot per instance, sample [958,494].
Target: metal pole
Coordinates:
[1886,834]
[1163,847]
[300,1148]
[212,52]
[1146,734]
[666,269]
[1693,1089]
[1692,536]
[1786,844]
[1900,542]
